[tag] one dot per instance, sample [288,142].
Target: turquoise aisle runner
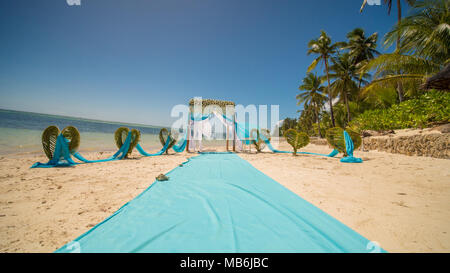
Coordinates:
[218,203]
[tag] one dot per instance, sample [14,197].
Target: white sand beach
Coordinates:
[402,202]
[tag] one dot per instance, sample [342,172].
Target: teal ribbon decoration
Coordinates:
[349,149]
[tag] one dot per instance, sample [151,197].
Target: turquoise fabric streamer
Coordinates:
[144,153]
[349,149]
[244,132]
[244,135]
[181,146]
[269,145]
[200,117]
[177,148]
[219,203]
[62,156]
[120,154]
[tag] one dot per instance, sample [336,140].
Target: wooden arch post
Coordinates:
[227,138]
[234,132]
[188,131]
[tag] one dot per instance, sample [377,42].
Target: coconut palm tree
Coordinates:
[360,47]
[312,95]
[306,119]
[424,47]
[323,47]
[426,32]
[345,73]
[389,4]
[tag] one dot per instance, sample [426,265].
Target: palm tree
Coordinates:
[312,95]
[399,19]
[360,47]
[307,119]
[399,10]
[288,123]
[345,73]
[425,33]
[425,36]
[323,47]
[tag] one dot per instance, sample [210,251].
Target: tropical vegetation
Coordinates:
[431,108]
[356,85]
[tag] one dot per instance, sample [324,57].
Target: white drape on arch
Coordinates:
[203,128]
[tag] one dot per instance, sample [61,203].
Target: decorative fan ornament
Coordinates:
[49,137]
[135,138]
[165,135]
[296,139]
[71,133]
[335,137]
[121,135]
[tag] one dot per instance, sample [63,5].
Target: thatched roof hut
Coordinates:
[440,80]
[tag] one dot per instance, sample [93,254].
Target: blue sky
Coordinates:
[132,60]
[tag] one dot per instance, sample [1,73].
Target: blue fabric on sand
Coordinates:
[179,147]
[219,203]
[243,133]
[144,153]
[120,154]
[62,156]
[349,149]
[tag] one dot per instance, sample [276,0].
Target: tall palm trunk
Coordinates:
[347,106]
[318,120]
[400,91]
[399,19]
[330,97]
[399,14]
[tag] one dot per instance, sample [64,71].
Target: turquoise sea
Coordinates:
[20,132]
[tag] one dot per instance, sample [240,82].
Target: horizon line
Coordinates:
[87,119]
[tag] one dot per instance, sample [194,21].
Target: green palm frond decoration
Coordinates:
[296,139]
[121,134]
[135,138]
[257,140]
[335,137]
[71,133]
[165,135]
[49,137]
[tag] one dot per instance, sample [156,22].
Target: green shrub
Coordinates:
[428,109]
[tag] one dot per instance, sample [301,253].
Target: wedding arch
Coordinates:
[201,111]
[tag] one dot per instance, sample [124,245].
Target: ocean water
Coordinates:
[20,132]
